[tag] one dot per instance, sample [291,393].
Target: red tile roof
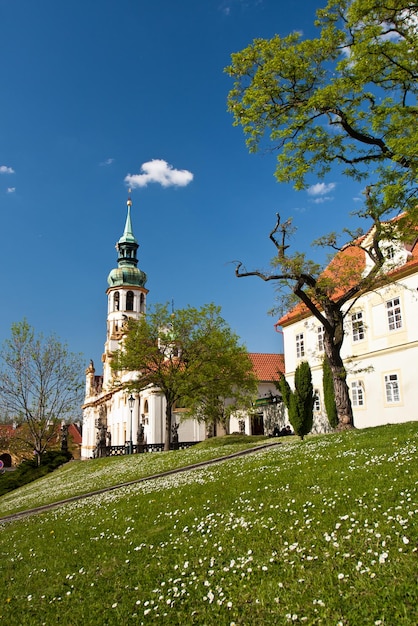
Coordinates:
[75,434]
[344,270]
[7,430]
[267,366]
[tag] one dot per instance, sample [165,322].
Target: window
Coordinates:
[320,336]
[317,401]
[357,325]
[390,253]
[392,388]
[300,346]
[357,393]
[130,301]
[116,299]
[142,303]
[393,308]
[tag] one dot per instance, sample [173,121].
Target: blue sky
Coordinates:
[98,95]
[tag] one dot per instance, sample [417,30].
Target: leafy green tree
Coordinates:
[40,386]
[346,98]
[192,356]
[299,402]
[329,397]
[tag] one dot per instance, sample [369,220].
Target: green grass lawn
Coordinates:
[315,532]
[77,478]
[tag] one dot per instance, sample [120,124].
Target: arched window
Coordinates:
[116,300]
[130,301]
[142,303]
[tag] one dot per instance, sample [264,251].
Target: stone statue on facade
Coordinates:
[101,437]
[175,436]
[64,438]
[140,438]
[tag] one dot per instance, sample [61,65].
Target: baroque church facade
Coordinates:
[112,417]
[117,422]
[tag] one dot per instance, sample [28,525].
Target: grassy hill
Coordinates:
[315,532]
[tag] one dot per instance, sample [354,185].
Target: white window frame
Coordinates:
[357,394]
[392,388]
[394,312]
[300,346]
[320,337]
[357,326]
[317,401]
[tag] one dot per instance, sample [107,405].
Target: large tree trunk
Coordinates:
[333,341]
[342,397]
[168,413]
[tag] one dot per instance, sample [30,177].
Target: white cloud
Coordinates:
[6,170]
[320,189]
[107,162]
[322,199]
[159,171]
[409,22]
[11,189]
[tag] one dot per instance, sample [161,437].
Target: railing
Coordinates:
[146,447]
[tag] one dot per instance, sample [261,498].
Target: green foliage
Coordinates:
[329,396]
[285,390]
[40,385]
[193,357]
[299,402]
[31,470]
[345,97]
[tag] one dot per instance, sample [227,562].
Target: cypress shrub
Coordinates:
[299,402]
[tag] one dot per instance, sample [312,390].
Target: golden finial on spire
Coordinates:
[129,201]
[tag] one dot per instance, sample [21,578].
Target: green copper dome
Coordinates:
[131,276]
[127,273]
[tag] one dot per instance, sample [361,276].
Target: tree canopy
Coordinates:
[346,97]
[192,356]
[40,385]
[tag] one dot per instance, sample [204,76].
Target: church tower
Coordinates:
[116,421]
[126,294]
[107,418]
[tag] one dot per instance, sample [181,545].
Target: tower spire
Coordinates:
[127,272]
[128,234]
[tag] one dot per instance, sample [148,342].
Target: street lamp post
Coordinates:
[131,402]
